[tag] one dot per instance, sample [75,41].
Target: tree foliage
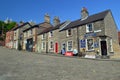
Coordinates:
[6,26]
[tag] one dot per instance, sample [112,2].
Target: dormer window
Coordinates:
[89,27]
[69,32]
[50,34]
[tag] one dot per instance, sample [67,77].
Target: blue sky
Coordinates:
[27,10]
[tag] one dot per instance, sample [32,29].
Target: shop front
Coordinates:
[93,45]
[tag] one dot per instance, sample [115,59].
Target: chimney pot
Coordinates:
[47,18]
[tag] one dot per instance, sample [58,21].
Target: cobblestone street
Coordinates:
[21,65]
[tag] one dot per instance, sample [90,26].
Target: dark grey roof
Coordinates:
[22,25]
[43,30]
[57,26]
[30,28]
[40,27]
[89,19]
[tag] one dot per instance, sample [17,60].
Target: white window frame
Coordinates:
[51,34]
[87,30]
[87,45]
[51,45]
[31,32]
[68,32]
[111,45]
[68,45]
[43,45]
[43,36]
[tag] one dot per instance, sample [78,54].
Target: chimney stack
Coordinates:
[56,21]
[84,13]
[21,23]
[47,18]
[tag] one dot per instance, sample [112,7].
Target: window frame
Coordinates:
[51,45]
[51,34]
[43,36]
[111,45]
[91,45]
[87,28]
[68,32]
[70,45]
[43,45]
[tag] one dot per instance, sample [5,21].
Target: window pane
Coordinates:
[43,45]
[51,44]
[69,32]
[69,45]
[89,28]
[51,34]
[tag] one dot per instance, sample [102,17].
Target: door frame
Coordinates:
[103,45]
[56,47]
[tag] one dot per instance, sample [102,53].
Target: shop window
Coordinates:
[69,46]
[90,44]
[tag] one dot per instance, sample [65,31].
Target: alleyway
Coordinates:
[20,65]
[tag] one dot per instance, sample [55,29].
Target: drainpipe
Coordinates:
[46,43]
[78,43]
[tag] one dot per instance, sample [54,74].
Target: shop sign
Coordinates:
[82,43]
[90,34]
[96,44]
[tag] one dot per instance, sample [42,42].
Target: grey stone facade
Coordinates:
[89,35]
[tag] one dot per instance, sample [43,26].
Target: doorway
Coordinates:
[103,48]
[29,45]
[56,47]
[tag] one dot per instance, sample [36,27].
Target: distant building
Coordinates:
[30,34]
[18,34]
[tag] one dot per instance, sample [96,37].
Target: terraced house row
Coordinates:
[89,34]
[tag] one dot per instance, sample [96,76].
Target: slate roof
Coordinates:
[41,26]
[22,25]
[89,19]
[45,30]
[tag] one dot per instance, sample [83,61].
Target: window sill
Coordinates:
[90,32]
[90,50]
[51,37]
[69,36]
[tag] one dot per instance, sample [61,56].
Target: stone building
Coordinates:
[119,37]
[94,33]
[91,35]
[9,40]
[49,39]
[30,34]
[18,34]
